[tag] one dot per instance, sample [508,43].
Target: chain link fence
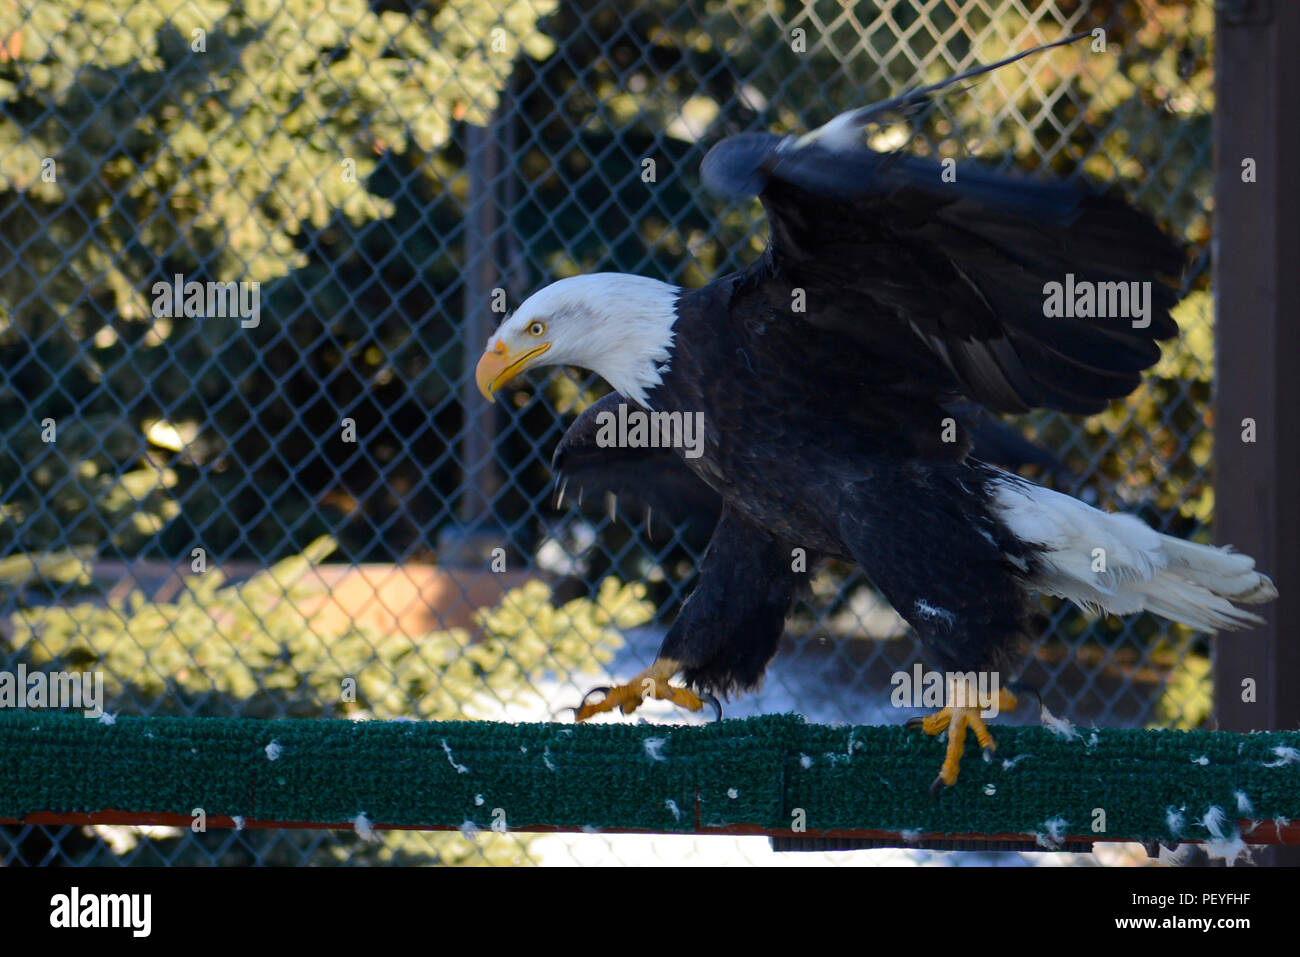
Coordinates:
[249,254]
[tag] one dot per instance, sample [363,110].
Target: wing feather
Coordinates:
[902,263]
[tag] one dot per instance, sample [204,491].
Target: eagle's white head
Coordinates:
[618,326]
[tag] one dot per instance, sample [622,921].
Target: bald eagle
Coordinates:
[821,378]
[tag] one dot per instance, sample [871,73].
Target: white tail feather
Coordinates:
[1111,562]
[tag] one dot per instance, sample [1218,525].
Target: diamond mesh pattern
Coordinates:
[385,172]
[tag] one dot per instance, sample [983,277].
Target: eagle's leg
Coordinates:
[728,629]
[653,682]
[963,713]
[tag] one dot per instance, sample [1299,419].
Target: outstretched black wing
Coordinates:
[949,279]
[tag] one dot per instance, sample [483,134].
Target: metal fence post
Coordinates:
[478,531]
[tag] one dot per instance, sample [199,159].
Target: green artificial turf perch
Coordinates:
[774,774]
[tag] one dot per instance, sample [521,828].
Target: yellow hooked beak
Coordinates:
[498,366]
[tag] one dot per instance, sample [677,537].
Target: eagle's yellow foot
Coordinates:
[958,719]
[653,682]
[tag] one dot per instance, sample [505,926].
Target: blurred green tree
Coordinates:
[225,141]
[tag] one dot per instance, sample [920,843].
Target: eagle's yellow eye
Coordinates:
[536,328]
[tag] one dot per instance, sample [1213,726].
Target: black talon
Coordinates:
[581,704]
[936,786]
[717,705]
[988,755]
[914,722]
